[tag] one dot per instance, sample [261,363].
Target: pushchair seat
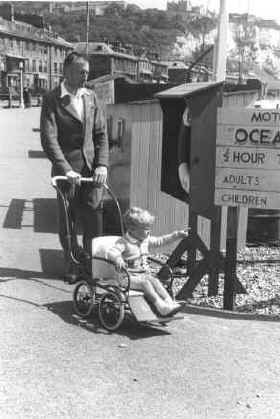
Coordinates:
[102,267]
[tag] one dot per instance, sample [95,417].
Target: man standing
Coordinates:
[74,137]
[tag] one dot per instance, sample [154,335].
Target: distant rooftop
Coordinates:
[25,30]
[99,48]
[186,89]
[258,21]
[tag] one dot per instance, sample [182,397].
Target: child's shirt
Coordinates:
[135,252]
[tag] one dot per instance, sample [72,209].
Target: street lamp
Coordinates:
[21,103]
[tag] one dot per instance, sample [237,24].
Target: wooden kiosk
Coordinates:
[203,100]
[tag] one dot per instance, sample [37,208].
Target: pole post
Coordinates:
[231,256]
[221,44]
[87,28]
[21,103]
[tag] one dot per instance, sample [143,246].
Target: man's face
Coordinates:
[76,74]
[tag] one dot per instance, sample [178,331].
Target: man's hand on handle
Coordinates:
[73,177]
[100,175]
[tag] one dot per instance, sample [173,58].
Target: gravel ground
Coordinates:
[258,269]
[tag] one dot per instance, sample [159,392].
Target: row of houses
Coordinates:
[33,49]
[106,60]
[27,45]
[40,53]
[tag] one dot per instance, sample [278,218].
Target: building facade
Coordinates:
[35,51]
[95,7]
[106,61]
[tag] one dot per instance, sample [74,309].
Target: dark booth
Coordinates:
[199,147]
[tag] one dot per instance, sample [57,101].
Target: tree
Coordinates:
[246,46]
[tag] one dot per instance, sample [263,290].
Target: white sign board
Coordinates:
[248,158]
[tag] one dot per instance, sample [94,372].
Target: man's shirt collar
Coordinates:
[80,92]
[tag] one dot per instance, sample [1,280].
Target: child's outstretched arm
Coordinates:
[158,241]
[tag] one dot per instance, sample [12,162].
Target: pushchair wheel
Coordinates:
[83,299]
[111,310]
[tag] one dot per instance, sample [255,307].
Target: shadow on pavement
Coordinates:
[52,268]
[13,218]
[45,218]
[45,214]
[52,262]
[234,315]
[36,154]
[7,274]
[129,328]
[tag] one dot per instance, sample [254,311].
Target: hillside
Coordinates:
[144,30]
[181,32]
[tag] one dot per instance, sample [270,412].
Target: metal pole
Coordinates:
[87,28]
[21,104]
[221,45]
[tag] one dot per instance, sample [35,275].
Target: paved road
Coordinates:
[204,366]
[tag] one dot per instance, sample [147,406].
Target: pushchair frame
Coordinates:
[113,296]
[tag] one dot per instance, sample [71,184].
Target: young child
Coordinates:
[131,252]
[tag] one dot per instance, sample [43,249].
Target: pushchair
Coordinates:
[105,289]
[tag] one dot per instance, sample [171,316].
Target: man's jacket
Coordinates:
[69,142]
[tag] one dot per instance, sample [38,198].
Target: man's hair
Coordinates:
[73,57]
[136,217]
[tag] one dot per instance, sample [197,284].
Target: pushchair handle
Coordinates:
[82,180]
[54,180]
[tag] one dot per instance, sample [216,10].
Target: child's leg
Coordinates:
[159,288]
[164,307]
[141,283]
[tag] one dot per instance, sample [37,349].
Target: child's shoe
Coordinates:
[167,309]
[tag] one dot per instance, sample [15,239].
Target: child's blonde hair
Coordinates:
[136,217]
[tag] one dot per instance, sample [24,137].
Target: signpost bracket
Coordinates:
[199,268]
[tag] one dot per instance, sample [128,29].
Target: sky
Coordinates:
[267,9]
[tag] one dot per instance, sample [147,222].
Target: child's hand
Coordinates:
[183,233]
[120,265]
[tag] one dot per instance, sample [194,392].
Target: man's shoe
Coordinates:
[71,278]
[80,254]
[71,274]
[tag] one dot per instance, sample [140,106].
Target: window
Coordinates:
[34,66]
[55,67]
[40,66]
